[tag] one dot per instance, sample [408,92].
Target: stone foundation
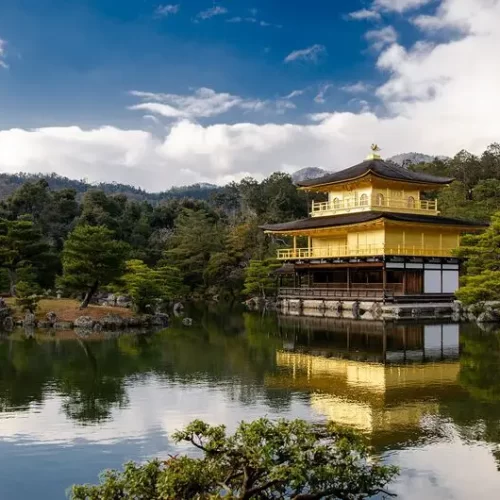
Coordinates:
[369,310]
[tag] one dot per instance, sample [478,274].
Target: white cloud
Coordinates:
[365,15]
[399,5]
[294,93]
[320,96]
[239,19]
[252,20]
[152,118]
[203,103]
[283,105]
[356,88]
[439,98]
[311,54]
[382,37]
[166,10]
[455,15]
[216,10]
[3,44]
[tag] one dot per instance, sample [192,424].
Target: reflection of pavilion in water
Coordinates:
[381,378]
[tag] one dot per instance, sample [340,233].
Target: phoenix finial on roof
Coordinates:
[374,155]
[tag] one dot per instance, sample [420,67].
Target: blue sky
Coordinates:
[76,60]
[118,84]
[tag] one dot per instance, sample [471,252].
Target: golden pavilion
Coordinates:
[376,237]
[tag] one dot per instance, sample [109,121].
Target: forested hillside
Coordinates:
[475,194]
[52,229]
[10,182]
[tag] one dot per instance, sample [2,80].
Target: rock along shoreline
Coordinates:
[104,323]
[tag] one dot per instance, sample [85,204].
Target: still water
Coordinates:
[427,396]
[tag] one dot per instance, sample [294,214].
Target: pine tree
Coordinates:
[21,247]
[91,258]
[482,281]
[260,279]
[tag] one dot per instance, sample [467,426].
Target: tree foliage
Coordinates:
[21,247]
[28,294]
[146,285]
[260,279]
[482,254]
[261,460]
[91,258]
[475,193]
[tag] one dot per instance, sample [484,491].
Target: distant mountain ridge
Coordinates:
[414,158]
[10,182]
[308,173]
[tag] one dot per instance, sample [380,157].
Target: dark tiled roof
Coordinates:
[379,168]
[360,217]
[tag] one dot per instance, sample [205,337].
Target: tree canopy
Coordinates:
[91,258]
[482,253]
[262,460]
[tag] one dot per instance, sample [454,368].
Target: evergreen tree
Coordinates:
[482,251]
[196,236]
[292,460]
[21,248]
[91,258]
[146,285]
[259,277]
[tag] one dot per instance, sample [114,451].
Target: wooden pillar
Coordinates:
[295,246]
[384,345]
[404,280]
[348,279]
[309,246]
[384,281]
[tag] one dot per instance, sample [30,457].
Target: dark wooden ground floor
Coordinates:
[427,279]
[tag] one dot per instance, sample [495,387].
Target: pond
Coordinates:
[427,396]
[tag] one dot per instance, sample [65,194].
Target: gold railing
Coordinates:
[347,205]
[361,251]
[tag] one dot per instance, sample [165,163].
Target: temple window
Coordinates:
[363,200]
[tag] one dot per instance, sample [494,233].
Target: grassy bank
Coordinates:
[68,309]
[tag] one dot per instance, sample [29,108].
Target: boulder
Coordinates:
[145,320]
[84,322]
[112,322]
[187,322]
[8,323]
[123,301]
[29,319]
[44,324]
[134,321]
[51,317]
[63,325]
[159,319]
[488,316]
[97,327]
[5,311]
